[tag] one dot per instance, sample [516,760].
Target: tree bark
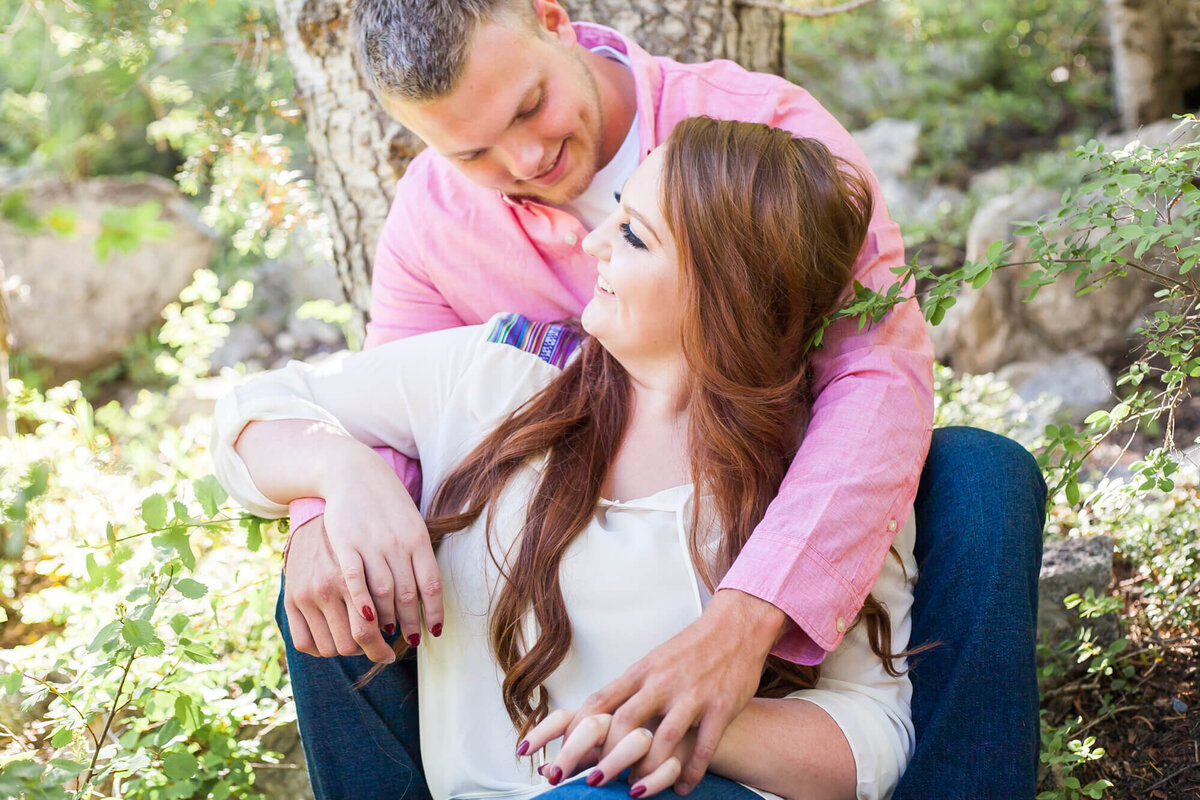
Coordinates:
[1156,58]
[359,152]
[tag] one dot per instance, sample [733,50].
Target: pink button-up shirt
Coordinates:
[454,253]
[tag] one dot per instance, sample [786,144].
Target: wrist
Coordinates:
[344,462]
[760,624]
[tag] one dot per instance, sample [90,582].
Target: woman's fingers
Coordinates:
[580,749]
[317,626]
[407,600]
[661,778]
[631,748]
[429,586]
[551,728]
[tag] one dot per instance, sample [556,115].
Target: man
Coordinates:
[532,125]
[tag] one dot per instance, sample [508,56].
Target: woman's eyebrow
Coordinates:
[633,213]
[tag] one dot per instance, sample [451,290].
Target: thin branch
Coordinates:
[788,8]
[87,779]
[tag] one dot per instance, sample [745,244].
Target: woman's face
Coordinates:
[636,310]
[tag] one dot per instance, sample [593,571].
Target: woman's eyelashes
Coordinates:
[631,237]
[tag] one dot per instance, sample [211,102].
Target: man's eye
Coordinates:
[631,237]
[536,108]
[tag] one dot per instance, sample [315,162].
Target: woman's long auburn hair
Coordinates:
[768,228]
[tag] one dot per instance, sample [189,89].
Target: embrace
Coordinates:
[624,529]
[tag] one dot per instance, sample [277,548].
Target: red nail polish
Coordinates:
[389,629]
[539,769]
[414,640]
[436,630]
[523,748]
[638,791]
[595,778]
[555,776]
[368,614]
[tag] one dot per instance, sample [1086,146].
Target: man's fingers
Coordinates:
[712,728]
[429,586]
[632,714]
[667,736]
[302,638]
[322,638]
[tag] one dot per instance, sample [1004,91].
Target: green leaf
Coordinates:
[1072,492]
[1129,181]
[154,511]
[103,636]
[179,765]
[254,535]
[193,590]
[199,652]
[187,712]
[12,681]
[138,632]
[210,495]
[176,538]
[62,220]
[61,738]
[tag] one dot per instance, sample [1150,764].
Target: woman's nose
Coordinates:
[596,244]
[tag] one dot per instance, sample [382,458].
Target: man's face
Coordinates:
[525,118]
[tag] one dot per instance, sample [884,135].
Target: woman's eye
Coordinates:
[536,108]
[631,237]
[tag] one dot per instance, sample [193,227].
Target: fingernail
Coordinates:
[555,776]
[414,640]
[389,629]
[436,630]
[682,788]
[368,614]
[595,778]
[523,748]
[638,790]
[539,769]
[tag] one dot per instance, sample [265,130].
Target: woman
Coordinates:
[571,536]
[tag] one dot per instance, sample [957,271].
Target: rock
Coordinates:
[289,778]
[1072,566]
[245,344]
[106,303]
[1073,385]
[994,326]
[197,398]
[891,147]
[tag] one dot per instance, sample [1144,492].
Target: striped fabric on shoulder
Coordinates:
[551,342]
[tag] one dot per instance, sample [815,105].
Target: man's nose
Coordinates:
[525,158]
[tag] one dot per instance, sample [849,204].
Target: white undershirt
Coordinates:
[598,200]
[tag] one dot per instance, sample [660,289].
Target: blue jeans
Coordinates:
[980,510]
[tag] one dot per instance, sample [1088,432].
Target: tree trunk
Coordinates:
[1156,58]
[359,152]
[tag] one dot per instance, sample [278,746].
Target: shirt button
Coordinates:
[841,624]
[572,238]
[892,525]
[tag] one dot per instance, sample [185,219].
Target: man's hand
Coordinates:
[701,678]
[374,568]
[320,611]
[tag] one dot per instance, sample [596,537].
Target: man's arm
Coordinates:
[802,577]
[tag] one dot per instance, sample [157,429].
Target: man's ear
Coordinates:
[554,20]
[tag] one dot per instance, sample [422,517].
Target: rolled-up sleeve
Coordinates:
[821,545]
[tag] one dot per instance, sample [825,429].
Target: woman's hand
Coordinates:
[585,744]
[382,549]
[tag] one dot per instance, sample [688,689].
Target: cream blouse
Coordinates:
[627,579]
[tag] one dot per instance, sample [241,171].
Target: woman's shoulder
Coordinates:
[552,342]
